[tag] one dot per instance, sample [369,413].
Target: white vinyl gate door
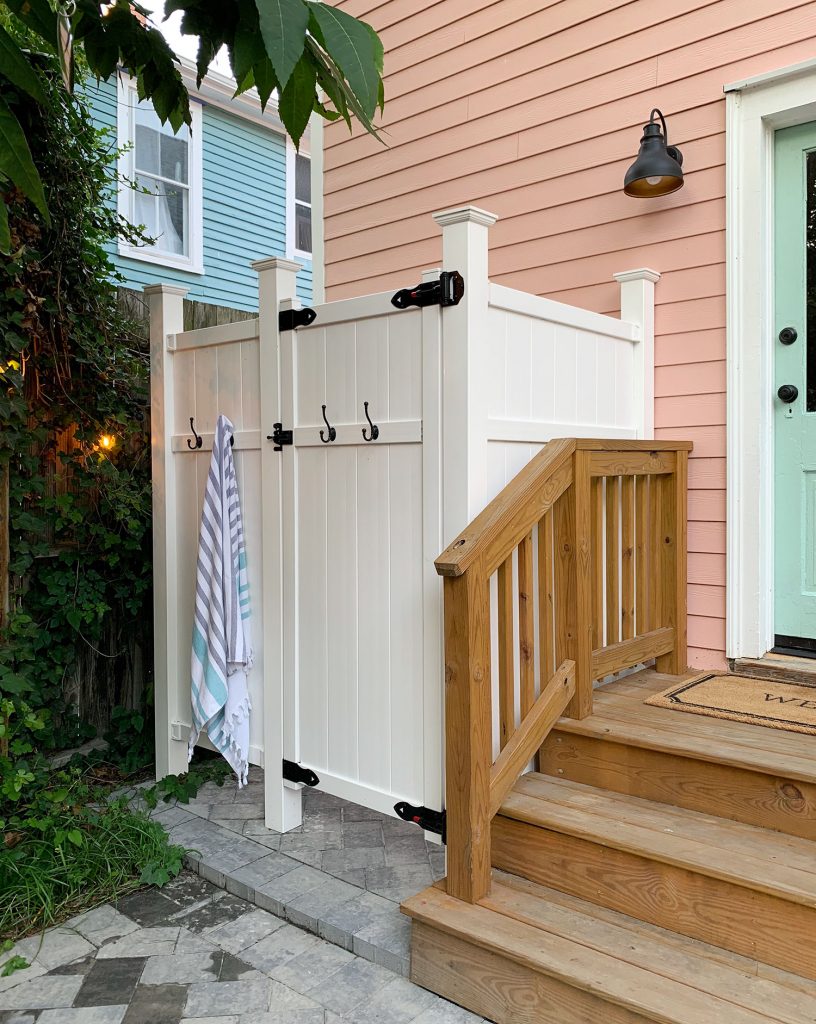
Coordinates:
[358,576]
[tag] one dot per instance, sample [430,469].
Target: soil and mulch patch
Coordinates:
[789,706]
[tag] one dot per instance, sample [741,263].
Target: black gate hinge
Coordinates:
[280,436]
[290,319]
[447,291]
[431,821]
[294,772]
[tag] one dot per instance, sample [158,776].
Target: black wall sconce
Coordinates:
[658,169]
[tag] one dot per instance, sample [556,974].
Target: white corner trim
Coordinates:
[126,97]
[291,156]
[755,109]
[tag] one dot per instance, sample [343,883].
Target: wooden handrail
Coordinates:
[589,541]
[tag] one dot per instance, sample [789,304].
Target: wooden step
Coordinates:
[736,886]
[760,776]
[785,668]
[527,953]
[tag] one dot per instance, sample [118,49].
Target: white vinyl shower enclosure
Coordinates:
[366,437]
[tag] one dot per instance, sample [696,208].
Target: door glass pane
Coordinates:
[810,290]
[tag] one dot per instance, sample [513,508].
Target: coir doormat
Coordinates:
[744,699]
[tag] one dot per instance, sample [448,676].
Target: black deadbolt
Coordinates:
[788,335]
[788,393]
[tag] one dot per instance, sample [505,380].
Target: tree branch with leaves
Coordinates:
[314,57]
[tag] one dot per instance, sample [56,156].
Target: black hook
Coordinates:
[192,445]
[332,430]
[375,430]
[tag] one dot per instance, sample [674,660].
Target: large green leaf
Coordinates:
[5,234]
[247,45]
[349,43]
[38,16]
[283,29]
[297,99]
[15,67]
[15,160]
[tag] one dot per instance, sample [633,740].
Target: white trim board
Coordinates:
[755,109]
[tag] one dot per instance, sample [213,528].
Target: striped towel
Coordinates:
[222,644]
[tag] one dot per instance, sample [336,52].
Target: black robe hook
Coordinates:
[192,445]
[332,430]
[375,430]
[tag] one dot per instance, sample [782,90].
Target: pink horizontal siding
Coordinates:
[532,109]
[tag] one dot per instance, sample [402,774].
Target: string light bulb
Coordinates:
[107,442]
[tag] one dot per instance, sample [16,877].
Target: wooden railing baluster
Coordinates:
[642,553]
[546,608]
[507,701]
[612,560]
[627,557]
[526,614]
[597,562]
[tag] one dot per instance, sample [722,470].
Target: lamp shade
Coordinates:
[658,170]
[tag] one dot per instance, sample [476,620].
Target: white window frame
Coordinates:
[292,251]
[127,98]
[755,109]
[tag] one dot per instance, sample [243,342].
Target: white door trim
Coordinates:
[755,109]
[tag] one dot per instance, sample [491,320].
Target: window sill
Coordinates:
[161,259]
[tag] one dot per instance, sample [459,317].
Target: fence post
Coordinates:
[465,367]
[637,307]
[166,305]
[276,283]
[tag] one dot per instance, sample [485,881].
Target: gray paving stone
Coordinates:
[147,907]
[216,997]
[257,831]
[386,941]
[278,948]
[447,1013]
[322,821]
[231,1019]
[312,1016]
[346,860]
[307,909]
[234,853]
[18,1017]
[246,930]
[243,811]
[295,842]
[170,816]
[212,793]
[54,948]
[277,892]
[52,990]
[406,850]
[223,907]
[156,1004]
[246,880]
[111,981]
[351,986]
[233,969]
[18,977]
[144,942]
[191,942]
[235,825]
[84,1015]
[181,969]
[342,922]
[354,877]
[312,858]
[102,924]
[82,966]
[395,1003]
[188,889]
[354,812]
[361,834]
[308,969]
[400,882]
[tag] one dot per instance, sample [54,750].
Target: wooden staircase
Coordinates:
[657,866]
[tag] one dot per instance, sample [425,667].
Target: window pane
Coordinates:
[157,149]
[303,228]
[303,179]
[165,214]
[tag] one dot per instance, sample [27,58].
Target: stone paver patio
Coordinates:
[192,952]
[264,929]
[341,875]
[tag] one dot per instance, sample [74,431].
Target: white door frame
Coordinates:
[755,108]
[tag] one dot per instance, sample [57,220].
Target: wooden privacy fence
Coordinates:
[587,548]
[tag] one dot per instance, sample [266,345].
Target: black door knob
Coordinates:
[788,393]
[788,335]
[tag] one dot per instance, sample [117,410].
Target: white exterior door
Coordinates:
[360,595]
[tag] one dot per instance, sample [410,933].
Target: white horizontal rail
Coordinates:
[515,301]
[539,432]
[221,334]
[245,440]
[395,432]
[344,310]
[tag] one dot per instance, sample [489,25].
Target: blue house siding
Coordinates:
[244,208]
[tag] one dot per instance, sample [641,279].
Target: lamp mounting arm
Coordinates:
[659,113]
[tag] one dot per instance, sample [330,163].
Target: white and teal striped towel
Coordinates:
[222,644]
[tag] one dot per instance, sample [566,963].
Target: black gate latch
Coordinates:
[431,821]
[290,319]
[447,291]
[280,436]
[294,772]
